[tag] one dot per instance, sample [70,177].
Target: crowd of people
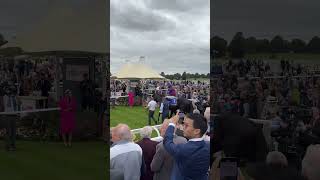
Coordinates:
[35,79]
[183,155]
[182,151]
[289,104]
[257,68]
[188,89]
[24,78]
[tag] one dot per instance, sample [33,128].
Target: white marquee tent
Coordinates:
[137,71]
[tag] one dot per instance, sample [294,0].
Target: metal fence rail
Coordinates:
[156,128]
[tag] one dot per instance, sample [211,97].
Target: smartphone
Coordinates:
[229,168]
[181,117]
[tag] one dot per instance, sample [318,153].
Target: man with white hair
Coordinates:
[125,156]
[311,163]
[149,149]
[276,158]
[162,163]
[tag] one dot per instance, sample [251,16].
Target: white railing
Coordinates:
[29,111]
[156,128]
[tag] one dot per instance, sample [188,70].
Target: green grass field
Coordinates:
[136,117]
[52,161]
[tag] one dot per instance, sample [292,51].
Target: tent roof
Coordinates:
[137,71]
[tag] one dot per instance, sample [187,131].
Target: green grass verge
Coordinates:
[52,161]
[136,117]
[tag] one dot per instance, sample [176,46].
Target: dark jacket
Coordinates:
[148,149]
[185,105]
[162,163]
[44,86]
[239,137]
[191,159]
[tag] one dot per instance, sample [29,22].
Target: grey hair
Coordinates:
[276,158]
[311,163]
[145,132]
[196,111]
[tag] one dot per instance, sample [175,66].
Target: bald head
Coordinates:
[311,163]
[277,159]
[121,132]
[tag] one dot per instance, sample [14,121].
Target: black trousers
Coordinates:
[9,123]
[86,102]
[43,103]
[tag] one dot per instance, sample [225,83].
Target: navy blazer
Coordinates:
[191,159]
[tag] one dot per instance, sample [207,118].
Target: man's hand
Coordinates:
[175,118]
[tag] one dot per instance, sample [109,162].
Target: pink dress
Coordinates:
[68,118]
[131,98]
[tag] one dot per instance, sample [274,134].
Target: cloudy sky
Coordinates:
[173,35]
[266,18]
[56,24]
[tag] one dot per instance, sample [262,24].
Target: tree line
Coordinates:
[239,46]
[184,76]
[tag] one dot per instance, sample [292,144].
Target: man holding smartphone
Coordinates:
[191,159]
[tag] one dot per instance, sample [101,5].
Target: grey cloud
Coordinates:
[265,18]
[184,47]
[138,18]
[177,5]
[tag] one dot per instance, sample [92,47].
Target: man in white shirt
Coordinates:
[160,111]
[125,156]
[152,107]
[9,120]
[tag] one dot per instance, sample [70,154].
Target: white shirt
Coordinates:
[161,108]
[203,138]
[196,139]
[152,105]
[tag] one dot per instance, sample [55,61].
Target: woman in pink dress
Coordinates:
[67,111]
[131,98]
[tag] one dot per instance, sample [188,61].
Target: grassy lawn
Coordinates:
[52,161]
[136,117]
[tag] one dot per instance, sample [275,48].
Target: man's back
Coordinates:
[149,149]
[162,163]
[152,105]
[127,157]
[86,87]
[191,159]
[194,160]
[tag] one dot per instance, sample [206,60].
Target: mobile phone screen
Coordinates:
[181,115]
[181,118]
